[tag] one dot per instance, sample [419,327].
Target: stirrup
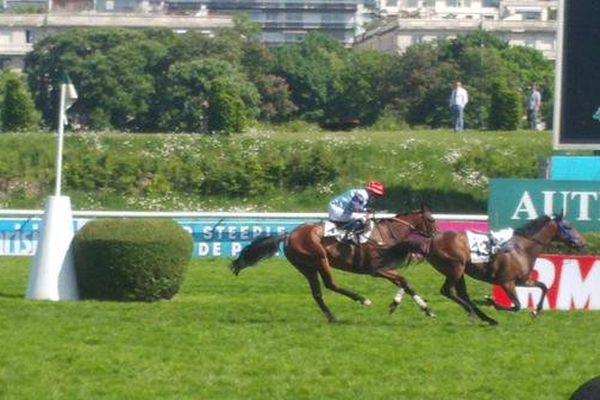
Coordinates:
[351,238]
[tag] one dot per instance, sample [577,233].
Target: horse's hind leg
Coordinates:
[327,277]
[400,281]
[448,289]
[315,287]
[461,290]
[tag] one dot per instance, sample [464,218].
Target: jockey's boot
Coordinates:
[353,233]
[493,245]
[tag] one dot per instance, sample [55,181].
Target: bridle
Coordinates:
[560,229]
[411,226]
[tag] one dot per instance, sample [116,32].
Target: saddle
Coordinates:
[485,246]
[344,232]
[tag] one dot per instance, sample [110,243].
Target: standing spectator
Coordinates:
[458,101]
[534,105]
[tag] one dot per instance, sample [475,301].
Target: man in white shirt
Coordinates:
[458,101]
[534,104]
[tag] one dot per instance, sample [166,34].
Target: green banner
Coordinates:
[513,202]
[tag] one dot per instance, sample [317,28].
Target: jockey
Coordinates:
[350,207]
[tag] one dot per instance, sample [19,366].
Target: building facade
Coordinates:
[18,33]
[406,22]
[539,10]
[529,23]
[285,21]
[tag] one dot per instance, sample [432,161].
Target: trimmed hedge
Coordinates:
[131,259]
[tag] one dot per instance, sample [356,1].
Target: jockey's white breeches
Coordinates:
[336,214]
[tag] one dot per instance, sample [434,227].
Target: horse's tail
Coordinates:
[259,249]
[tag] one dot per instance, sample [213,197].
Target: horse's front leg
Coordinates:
[542,286]
[403,287]
[509,289]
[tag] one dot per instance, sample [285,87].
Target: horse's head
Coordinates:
[421,220]
[565,233]
[426,223]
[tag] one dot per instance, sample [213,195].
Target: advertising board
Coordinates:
[573,284]
[513,202]
[213,237]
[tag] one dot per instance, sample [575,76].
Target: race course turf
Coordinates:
[261,336]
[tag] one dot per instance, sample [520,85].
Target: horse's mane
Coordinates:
[532,227]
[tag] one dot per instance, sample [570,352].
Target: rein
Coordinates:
[411,226]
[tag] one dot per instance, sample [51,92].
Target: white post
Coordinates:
[61,134]
[53,274]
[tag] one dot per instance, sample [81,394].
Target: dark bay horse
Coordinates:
[449,253]
[314,255]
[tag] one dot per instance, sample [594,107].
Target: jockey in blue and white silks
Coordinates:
[351,206]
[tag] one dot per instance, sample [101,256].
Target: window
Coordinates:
[490,3]
[293,37]
[458,3]
[532,15]
[296,17]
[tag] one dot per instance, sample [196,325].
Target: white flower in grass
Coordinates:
[452,156]
[325,188]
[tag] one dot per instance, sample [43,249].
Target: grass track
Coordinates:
[260,336]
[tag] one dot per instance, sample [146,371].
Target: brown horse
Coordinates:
[450,254]
[314,255]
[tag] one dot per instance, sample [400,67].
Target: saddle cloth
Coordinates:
[332,230]
[480,246]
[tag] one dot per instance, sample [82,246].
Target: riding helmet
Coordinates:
[376,187]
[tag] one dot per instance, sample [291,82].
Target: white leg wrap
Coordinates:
[399,296]
[419,301]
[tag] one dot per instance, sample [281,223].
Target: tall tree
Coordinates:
[18,111]
[197,90]
[312,68]
[112,69]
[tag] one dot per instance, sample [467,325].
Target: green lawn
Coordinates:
[260,336]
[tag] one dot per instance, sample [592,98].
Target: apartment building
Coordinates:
[539,10]
[18,33]
[285,21]
[520,22]
[405,22]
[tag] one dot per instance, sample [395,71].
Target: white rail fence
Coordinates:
[193,215]
[215,234]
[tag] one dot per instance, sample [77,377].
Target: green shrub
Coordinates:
[131,259]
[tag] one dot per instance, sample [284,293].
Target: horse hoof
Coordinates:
[430,314]
[493,322]
[393,307]
[366,302]
[534,314]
